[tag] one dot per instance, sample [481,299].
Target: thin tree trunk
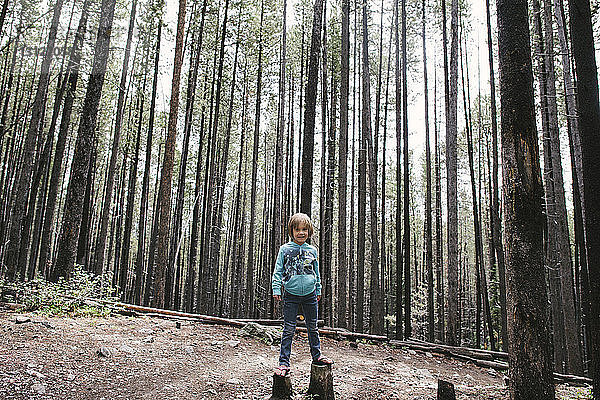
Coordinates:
[376,302]
[497,231]
[139,266]
[398,180]
[106,205]
[249,307]
[20,229]
[589,122]
[342,257]
[428,230]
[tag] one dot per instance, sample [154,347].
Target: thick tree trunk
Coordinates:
[162,294]
[309,111]
[83,147]
[530,348]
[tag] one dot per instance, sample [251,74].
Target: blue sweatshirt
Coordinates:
[296,270]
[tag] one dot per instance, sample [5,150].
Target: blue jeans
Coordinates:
[290,312]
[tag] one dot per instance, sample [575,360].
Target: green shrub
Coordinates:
[64,297]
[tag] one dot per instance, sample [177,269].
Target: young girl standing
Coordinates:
[296,278]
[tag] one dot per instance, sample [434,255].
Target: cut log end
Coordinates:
[321,382]
[282,388]
[445,391]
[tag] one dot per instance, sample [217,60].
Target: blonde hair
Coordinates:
[298,220]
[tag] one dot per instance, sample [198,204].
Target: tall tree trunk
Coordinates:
[452,334]
[83,147]
[439,247]
[398,179]
[497,231]
[406,219]
[70,83]
[106,204]
[530,348]
[309,111]
[573,351]
[574,143]
[191,277]
[342,257]
[589,122]
[140,261]
[20,229]
[376,302]
[163,283]
[124,270]
[249,307]
[428,230]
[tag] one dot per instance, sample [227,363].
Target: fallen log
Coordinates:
[459,353]
[276,322]
[467,351]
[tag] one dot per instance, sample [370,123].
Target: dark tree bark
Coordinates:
[124,270]
[163,283]
[83,147]
[589,122]
[565,267]
[406,205]
[309,111]
[342,257]
[191,273]
[376,301]
[428,229]
[20,231]
[106,205]
[398,179]
[249,307]
[439,246]
[495,215]
[71,78]
[140,261]
[530,349]
[453,332]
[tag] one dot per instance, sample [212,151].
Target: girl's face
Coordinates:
[300,234]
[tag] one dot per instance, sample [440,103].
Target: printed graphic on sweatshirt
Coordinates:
[297,261]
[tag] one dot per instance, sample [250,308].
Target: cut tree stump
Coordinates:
[282,388]
[445,391]
[321,382]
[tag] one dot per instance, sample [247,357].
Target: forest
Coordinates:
[446,151]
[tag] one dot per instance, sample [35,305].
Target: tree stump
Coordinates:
[445,391]
[321,382]
[282,388]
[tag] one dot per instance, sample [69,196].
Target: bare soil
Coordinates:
[151,358]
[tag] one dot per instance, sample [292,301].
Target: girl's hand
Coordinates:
[277,297]
[319,297]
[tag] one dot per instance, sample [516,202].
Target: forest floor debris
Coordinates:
[150,358]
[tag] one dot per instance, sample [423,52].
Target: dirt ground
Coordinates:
[149,358]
